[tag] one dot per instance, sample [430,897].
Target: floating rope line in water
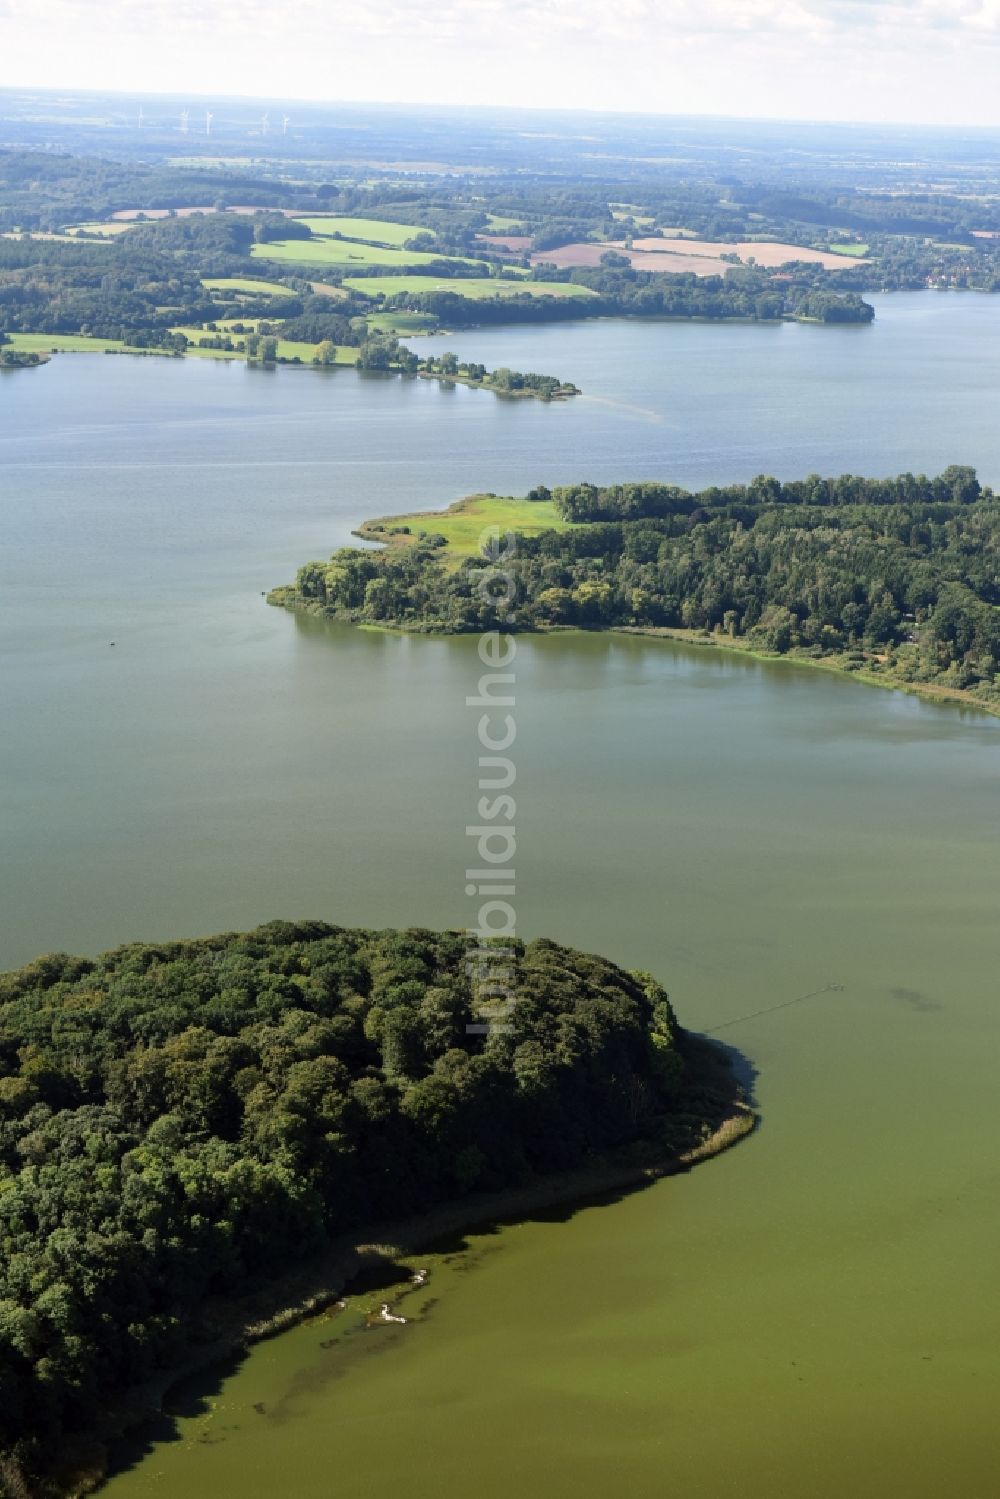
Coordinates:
[770,1009]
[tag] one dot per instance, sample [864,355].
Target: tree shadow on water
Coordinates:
[720,1081]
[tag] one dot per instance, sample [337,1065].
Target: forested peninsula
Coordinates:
[181,1124]
[895,579]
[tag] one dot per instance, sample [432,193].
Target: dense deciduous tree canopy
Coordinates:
[186,1119]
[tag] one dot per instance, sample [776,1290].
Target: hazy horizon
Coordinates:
[276,100]
[822,61]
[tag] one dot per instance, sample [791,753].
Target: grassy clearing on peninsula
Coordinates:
[287,348]
[463,523]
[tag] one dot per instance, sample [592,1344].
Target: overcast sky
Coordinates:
[933,61]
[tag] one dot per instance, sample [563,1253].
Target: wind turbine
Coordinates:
[284,124]
[184,122]
[208,121]
[264,124]
[140,116]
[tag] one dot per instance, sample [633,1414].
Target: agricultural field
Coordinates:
[287,348]
[464,522]
[699,257]
[515,244]
[402,323]
[500,223]
[245,284]
[850,249]
[327,251]
[106,230]
[477,288]
[62,343]
[622,211]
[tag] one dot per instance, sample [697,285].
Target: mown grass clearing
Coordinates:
[463,523]
[474,287]
[196,353]
[402,322]
[501,222]
[849,248]
[376,231]
[62,343]
[346,252]
[245,284]
[287,348]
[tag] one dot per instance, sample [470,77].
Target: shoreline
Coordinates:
[940,694]
[312,1287]
[284,597]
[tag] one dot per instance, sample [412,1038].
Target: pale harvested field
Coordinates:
[765,252]
[678,265]
[570,255]
[699,257]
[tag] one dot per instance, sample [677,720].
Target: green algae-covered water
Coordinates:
[810,1316]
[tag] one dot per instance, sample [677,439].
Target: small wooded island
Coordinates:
[892,579]
[183,1123]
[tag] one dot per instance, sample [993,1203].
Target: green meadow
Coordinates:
[474,287]
[63,343]
[241,283]
[325,251]
[463,523]
[402,322]
[287,348]
[849,248]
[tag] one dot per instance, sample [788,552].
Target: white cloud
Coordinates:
[866,59]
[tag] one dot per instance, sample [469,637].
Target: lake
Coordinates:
[808,1315]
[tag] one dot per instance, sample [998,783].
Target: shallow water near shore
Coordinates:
[810,1314]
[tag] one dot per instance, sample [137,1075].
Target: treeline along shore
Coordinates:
[896,579]
[196,1136]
